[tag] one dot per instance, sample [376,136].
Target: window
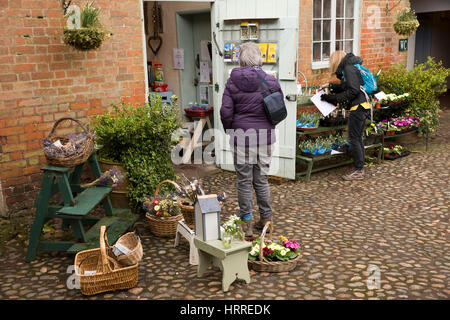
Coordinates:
[335,27]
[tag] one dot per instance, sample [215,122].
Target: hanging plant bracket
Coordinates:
[65,5]
[394,6]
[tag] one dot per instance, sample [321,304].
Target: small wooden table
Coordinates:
[232,261]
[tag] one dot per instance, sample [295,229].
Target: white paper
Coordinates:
[324,107]
[204,71]
[204,52]
[380,95]
[178,58]
[120,249]
[57,144]
[88,272]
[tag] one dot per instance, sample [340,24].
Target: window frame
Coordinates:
[356,33]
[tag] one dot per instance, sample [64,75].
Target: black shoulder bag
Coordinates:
[273,103]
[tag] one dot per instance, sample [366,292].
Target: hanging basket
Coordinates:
[164,226]
[406,23]
[76,159]
[99,272]
[271,266]
[85,39]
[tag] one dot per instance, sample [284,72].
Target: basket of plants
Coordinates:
[163,213]
[99,271]
[86,33]
[69,150]
[395,151]
[308,121]
[318,147]
[270,255]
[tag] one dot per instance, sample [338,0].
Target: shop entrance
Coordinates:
[200,46]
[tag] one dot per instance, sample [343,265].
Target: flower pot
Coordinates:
[378,106]
[119,197]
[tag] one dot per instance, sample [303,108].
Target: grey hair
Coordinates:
[249,55]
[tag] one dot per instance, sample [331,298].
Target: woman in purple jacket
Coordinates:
[251,134]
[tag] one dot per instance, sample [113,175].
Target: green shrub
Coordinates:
[139,137]
[424,83]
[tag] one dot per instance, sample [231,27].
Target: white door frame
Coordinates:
[144,39]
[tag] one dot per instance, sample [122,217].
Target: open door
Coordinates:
[278,24]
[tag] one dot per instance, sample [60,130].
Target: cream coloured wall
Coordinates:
[169,36]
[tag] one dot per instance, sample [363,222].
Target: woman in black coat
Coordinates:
[348,95]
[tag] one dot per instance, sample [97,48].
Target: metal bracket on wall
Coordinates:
[65,5]
[395,5]
[217,45]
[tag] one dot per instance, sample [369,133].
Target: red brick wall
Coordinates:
[42,79]
[378,40]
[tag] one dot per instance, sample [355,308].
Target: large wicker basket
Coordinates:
[271,266]
[108,276]
[74,160]
[164,226]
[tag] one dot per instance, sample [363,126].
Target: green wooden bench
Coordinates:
[232,261]
[74,209]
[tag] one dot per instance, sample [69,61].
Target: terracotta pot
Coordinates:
[378,106]
[119,197]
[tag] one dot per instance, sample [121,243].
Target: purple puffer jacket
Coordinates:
[242,107]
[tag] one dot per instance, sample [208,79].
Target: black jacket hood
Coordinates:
[350,58]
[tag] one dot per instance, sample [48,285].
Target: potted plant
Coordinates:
[232,230]
[308,121]
[137,139]
[87,33]
[406,23]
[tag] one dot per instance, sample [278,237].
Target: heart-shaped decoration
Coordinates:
[156,45]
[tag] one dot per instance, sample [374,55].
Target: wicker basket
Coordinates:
[108,276]
[187,211]
[132,242]
[271,266]
[164,226]
[74,160]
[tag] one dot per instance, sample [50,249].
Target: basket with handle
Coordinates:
[164,226]
[76,159]
[98,270]
[271,266]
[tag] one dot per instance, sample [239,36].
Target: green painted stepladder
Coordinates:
[76,204]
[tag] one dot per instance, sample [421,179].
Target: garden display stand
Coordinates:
[311,160]
[232,261]
[76,204]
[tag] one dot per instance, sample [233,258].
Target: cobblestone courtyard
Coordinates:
[397,219]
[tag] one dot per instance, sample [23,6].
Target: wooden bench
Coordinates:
[232,261]
[74,210]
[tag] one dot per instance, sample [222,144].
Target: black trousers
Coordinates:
[356,124]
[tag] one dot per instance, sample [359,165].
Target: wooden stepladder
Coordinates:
[74,208]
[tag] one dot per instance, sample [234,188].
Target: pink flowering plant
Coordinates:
[281,249]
